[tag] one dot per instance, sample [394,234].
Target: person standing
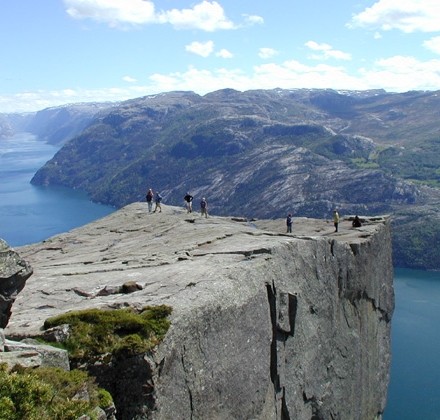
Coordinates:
[204,207]
[289,223]
[336,219]
[149,198]
[157,201]
[188,198]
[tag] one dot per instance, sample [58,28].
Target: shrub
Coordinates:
[48,394]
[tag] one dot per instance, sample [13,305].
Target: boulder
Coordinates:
[42,355]
[14,272]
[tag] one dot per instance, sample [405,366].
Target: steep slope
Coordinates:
[53,125]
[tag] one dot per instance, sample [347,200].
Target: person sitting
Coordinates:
[356,222]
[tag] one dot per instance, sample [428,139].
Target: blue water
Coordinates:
[414,391]
[31,214]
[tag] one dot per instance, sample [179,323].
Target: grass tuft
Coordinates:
[96,331]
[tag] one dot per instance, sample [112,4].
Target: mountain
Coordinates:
[264,153]
[54,125]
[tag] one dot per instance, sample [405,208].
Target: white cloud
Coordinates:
[266,53]
[395,74]
[207,16]
[402,73]
[433,44]
[113,12]
[405,15]
[293,74]
[253,19]
[223,53]
[204,49]
[326,51]
[129,79]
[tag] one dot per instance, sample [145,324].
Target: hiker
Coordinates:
[204,207]
[289,223]
[188,198]
[149,198]
[157,200]
[356,222]
[336,219]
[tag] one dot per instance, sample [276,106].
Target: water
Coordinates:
[29,213]
[414,391]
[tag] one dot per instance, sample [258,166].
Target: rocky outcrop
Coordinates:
[31,353]
[265,325]
[14,272]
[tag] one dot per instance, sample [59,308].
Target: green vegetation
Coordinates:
[418,244]
[96,331]
[419,164]
[363,163]
[48,394]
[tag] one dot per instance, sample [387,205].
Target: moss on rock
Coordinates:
[96,331]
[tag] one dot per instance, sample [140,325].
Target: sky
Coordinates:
[55,52]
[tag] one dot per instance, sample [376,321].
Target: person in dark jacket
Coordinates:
[149,198]
[189,199]
[157,201]
[289,223]
[356,222]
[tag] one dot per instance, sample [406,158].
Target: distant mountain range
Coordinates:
[261,154]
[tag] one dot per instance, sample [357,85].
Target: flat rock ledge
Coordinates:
[265,325]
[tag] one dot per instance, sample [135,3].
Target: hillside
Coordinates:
[54,125]
[265,153]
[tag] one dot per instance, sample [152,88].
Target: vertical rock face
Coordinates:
[303,333]
[14,272]
[265,325]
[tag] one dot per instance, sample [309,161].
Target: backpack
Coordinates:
[203,204]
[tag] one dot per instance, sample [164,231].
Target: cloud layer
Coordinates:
[207,16]
[213,65]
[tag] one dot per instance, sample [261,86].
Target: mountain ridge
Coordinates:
[264,153]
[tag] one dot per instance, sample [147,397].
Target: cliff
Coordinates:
[265,325]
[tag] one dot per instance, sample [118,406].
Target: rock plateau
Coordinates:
[265,325]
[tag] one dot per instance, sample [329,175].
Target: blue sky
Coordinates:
[65,51]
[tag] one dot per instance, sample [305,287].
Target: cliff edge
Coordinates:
[265,325]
